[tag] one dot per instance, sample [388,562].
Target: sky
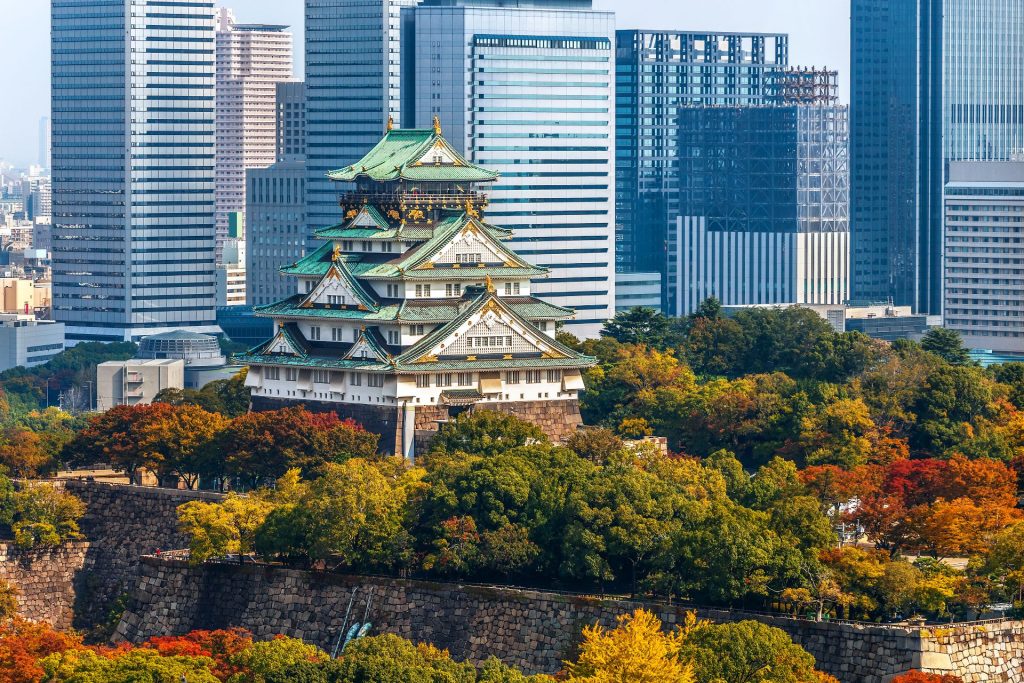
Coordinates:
[818,29]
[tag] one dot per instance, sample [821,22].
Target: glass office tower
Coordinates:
[656,73]
[527,90]
[133,167]
[352,87]
[933,81]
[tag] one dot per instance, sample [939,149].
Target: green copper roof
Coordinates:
[411,310]
[398,157]
[256,358]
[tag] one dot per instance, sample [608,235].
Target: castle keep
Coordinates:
[414,309]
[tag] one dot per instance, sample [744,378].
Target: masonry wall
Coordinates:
[529,629]
[45,580]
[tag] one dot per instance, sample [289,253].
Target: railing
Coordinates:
[412,198]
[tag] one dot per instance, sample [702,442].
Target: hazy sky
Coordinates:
[819,35]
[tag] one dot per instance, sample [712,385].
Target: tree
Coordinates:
[914,676]
[182,438]
[390,659]
[142,664]
[22,453]
[227,527]
[23,644]
[270,661]
[8,601]
[843,433]
[125,437]
[637,650]
[40,515]
[947,344]
[746,652]
[1004,559]
[638,325]
[599,446]
[486,433]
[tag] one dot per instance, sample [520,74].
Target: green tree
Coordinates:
[223,528]
[390,659]
[746,652]
[137,666]
[486,433]
[638,325]
[278,660]
[946,344]
[39,515]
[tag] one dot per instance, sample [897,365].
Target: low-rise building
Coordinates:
[136,381]
[634,290]
[879,321]
[27,341]
[201,354]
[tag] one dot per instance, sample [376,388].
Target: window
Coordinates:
[374,380]
[554,376]
[385,246]
[309,286]
[314,333]
[453,289]
[422,381]
[468,258]
[512,377]
[511,289]
[322,376]
[273,373]
[394,337]
[422,290]
[355,335]
[357,379]
[346,245]
[482,342]
[291,374]
[336,334]
[444,379]
[542,326]
[416,330]
[393,292]
[533,376]
[465,379]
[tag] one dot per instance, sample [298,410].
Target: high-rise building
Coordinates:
[133,167]
[44,142]
[290,125]
[656,73]
[275,204]
[932,81]
[527,88]
[352,87]
[763,198]
[251,60]
[984,252]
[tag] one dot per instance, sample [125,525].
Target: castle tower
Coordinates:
[414,309]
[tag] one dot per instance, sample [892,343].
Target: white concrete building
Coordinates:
[251,60]
[134,382]
[28,342]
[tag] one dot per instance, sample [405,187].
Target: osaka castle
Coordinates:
[415,309]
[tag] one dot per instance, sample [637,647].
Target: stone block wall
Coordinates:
[532,630]
[45,580]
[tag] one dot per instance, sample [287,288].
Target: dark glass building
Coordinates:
[656,73]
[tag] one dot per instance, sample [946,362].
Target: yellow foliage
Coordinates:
[637,650]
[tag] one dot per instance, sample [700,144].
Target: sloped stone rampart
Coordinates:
[44,580]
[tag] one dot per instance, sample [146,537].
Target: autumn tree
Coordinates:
[635,650]
[39,514]
[24,644]
[183,438]
[747,651]
[125,437]
[914,676]
[23,454]
[216,529]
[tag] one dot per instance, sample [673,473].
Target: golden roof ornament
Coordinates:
[391,124]
[490,284]
[336,254]
[437,126]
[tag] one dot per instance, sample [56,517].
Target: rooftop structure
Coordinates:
[414,308]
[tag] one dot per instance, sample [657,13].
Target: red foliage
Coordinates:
[23,643]
[219,645]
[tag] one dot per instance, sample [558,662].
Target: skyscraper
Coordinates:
[763,196]
[933,81]
[133,167]
[527,89]
[656,73]
[352,86]
[251,60]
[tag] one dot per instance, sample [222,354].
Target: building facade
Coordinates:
[657,72]
[763,207]
[984,267]
[539,109]
[290,121]
[933,81]
[251,60]
[415,309]
[352,87]
[28,342]
[133,167]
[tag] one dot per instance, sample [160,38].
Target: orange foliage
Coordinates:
[920,677]
[218,645]
[23,644]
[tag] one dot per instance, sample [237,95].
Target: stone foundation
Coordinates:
[529,629]
[45,580]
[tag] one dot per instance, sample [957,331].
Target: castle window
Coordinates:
[314,333]
[423,290]
[468,258]
[355,335]
[346,245]
[533,376]
[357,379]
[444,379]
[416,330]
[453,289]
[291,374]
[465,379]
[512,377]
[273,373]
[374,380]
[367,246]
[322,376]
[481,342]
[393,291]
[394,337]
[422,381]
[511,289]
[385,246]
[336,334]
[554,376]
